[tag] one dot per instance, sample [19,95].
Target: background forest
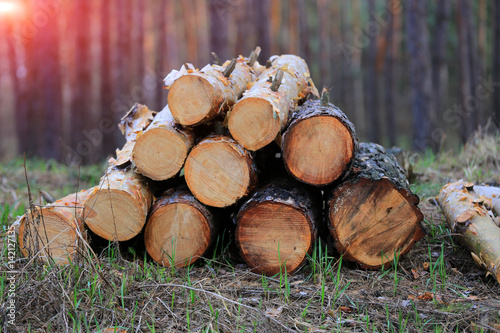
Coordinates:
[415,73]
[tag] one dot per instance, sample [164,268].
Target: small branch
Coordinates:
[47,197]
[230,68]
[325,97]
[216,59]
[268,64]
[277,80]
[253,56]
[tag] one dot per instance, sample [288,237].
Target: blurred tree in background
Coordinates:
[415,73]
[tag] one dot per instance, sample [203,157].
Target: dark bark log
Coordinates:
[179,230]
[373,215]
[277,227]
[319,144]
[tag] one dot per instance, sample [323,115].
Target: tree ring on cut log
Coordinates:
[277,235]
[178,234]
[218,173]
[55,235]
[317,150]
[159,154]
[189,108]
[379,223]
[253,124]
[114,214]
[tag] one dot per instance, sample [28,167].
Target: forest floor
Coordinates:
[436,287]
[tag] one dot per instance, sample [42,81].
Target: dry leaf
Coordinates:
[275,312]
[427,296]
[412,297]
[426,266]
[416,274]
[346,309]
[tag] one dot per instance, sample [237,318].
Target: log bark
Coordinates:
[492,194]
[277,227]
[319,144]
[117,209]
[219,171]
[54,232]
[373,215]
[160,151]
[196,96]
[179,230]
[262,113]
[466,215]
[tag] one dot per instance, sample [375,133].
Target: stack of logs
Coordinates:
[247,138]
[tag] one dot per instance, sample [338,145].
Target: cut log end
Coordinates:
[318,150]
[191,99]
[114,214]
[54,237]
[274,236]
[177,234]
[159,154]
[379,223]
[218,173]
[253,124]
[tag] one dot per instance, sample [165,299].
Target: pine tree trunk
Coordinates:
[219,171]
[496,63]
[277,227]
[54,232]
[371,90]
[179,230]
[160,151]
[319,144]
[373,215]
[262,113]
[467,216]
[439,65]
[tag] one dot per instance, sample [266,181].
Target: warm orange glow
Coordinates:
[9,7]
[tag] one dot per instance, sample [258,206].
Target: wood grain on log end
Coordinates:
[179,230]
[219,171]
[253,124]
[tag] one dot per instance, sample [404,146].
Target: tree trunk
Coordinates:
[262,113]
[263,29]
[219,32]
[390,58]
[117,209]
[138,47]
[373,215]
[219,171]
[371,91]
[160,151]
[54,232]
[319,144]
[467,216]
[277,227]
[196,97]
[496,63]
[324,48]
[179,230]
[420,75]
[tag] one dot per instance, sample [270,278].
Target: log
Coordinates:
[492,193]
[53,232]
[160,151]
[117,209]
[277,227]
[179,230]
[262,112]
[319,144]
[219,171]
[373,215]
[198,96]
[467,215]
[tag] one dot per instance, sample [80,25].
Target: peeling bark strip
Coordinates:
[179,230]
[319,144]
[160,151]
[276,228]
[197,96]
[262,113]
[117,209]
[467,215]
[55,229]
[219,171]
[373,215]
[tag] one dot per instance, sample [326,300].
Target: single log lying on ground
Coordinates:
[276,228]
[199,96]
[262,112]
[160,151]
[466,215]
[373,215]
[117,209]
[319,144]
[179,229]
[54,231]
[219,171]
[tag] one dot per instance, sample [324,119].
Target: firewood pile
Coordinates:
[243,143]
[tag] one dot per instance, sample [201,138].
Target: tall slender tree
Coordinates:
[390,56]
[138,45]
[439,43]
[371,91]
[219,34]
[262,8]
[161,48]
[496,62]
